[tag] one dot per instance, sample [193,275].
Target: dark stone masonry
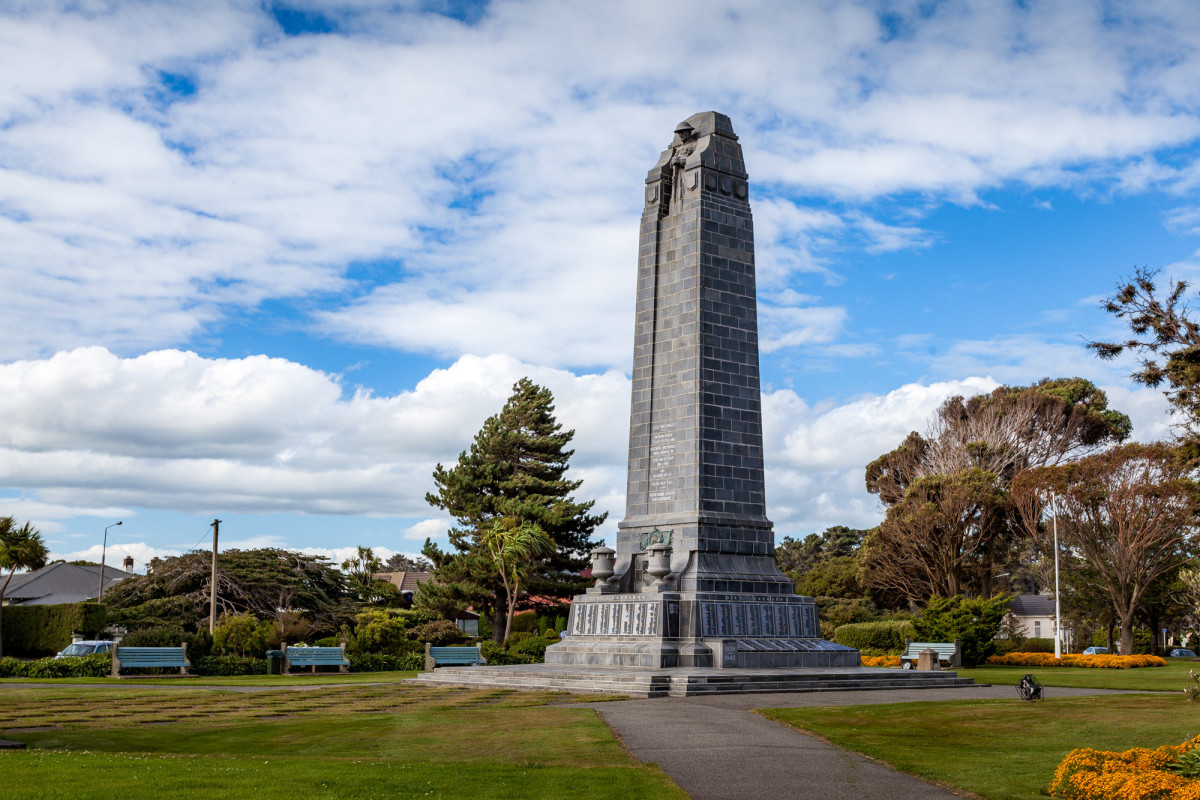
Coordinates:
[693,580]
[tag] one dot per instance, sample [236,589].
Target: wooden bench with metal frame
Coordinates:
[129,657]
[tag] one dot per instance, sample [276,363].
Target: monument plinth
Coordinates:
[693,580]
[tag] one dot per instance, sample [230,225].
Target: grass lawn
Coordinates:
[344,742]
[1171,678]
[998,749]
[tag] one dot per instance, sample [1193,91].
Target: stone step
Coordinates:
[684,682]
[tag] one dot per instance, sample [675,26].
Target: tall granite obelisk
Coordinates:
[693,580]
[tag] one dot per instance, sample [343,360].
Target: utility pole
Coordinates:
[212,600]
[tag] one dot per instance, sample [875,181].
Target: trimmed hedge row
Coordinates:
[385,662]
[887,636]
[33,631]
[93,666]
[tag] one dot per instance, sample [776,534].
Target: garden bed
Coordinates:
[1092,662]
[1135,774]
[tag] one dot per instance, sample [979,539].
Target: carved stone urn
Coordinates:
[603,559]
[659,564]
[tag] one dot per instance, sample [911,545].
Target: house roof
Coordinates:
[61,583]
[404,581]
[1032,605]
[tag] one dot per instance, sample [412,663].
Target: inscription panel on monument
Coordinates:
[664,464]
[617,619]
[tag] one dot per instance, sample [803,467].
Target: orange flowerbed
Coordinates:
[1096,662]
[881,661]
[1137,774]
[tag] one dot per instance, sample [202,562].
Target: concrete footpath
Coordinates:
[716,749]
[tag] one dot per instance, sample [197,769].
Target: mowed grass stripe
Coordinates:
[27,708]
[42,775]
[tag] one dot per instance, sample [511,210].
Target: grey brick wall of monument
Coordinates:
[693,579]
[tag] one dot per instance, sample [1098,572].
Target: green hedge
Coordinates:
[229,665]
[885,636]
[93,666]
[33,631]
[385,662]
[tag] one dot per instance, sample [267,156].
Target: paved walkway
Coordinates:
[716,749]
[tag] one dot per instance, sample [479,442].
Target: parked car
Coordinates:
[1095,651]
[1181,652]
[86,648]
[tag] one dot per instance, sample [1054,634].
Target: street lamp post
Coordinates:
[103,548]
[1057,607]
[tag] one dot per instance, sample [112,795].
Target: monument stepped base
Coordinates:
[686,681]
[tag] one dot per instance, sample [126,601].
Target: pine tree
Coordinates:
[513,475]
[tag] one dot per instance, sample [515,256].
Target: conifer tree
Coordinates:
[513,475]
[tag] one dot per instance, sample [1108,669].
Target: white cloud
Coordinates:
[486,173]
[172,430]
[433,528]
[114,555]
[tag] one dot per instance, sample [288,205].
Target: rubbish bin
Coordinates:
[274,662]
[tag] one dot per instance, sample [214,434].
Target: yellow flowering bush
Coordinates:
[881,661]
[1095,662]
[1137,774]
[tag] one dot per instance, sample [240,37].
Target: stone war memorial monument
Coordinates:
[693,581]
[691,599]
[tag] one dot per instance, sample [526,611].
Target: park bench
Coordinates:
[128,657]
[949,653]
[315,657]
[452,657]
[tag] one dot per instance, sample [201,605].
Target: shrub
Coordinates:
[887,636]
[1040,645]
[229,665]
[1095,662]
[525,622]
[44,630]
[161,636]
[839,611]
[93,666]
[241,634]
[974,620]
[533,648]
[1088,774]
[289,626]
[1006,646]
[496,655]
[439,633]
[386,662]
[379,631]
[881,661]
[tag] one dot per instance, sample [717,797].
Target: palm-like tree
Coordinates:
[20,548]
[515,549]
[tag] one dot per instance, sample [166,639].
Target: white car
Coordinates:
[86,648]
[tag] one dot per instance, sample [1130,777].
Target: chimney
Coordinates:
[129,564]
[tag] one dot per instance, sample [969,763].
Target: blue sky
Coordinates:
[272,263]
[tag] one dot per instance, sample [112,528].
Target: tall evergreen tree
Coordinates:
[514,475]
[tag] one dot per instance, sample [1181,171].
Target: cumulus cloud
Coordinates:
[418,181]
[173,430]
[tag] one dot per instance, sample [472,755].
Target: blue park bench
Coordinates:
[128,657]
[949,653]
[452,657]
[315,657]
